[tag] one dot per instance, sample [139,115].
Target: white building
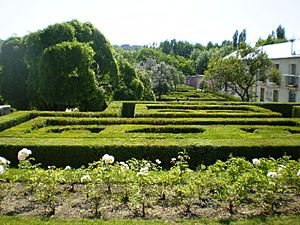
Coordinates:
[194,80]
[286,57]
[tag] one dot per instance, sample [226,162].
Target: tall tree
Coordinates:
[242,36]
[130,85]
[104,66]
[164,77]
[241,73]
[272,38]
[14,73]
[176,48]
[280,32]
[235,39]
[71,83]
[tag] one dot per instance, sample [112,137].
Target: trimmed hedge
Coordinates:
[128,109]
[62,121]
[285,108]
[75,156]
[14,119]
[200,110]
[56,138]
[296,111]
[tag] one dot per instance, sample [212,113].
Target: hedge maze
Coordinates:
[208,128]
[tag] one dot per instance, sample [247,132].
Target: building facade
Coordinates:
[194,80]
[286,57]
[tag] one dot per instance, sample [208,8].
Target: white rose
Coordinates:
[1,169]
[272,174]
[256,162]
[23,154]
[68,168]
[4,161]
[108,159]
[85,178]
[158,161]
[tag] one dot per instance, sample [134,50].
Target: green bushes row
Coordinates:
[62,121]
[188,110]
[14,119]
[207,107]
[75,156]
[208,115]
[168,129]
[285,108]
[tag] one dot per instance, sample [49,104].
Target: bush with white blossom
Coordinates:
[142,183]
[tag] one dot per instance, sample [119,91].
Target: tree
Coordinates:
[71,83]
[240,73]
[186,66]
[280,33]
[104,65]
[202,57]
[130,85]
[235,39]
[164,77]
[272,38]
[14,73]
[145,77]
[242,37]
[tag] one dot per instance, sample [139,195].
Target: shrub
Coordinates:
[296,111]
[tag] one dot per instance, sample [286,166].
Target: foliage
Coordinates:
[142,183]
[201,57]
[26,58]
[71,84]
[164,77]
[130,86]
[296,111]
[182,64]
[273,38]
[14,72]
[44,184]
[240,73]
[174,47]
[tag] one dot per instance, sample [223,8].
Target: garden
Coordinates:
[166,160]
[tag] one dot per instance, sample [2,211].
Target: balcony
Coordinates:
[291,81]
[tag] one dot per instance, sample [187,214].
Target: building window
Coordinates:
[277,66]
[262,94]
[291,80]
[293,69]
[275,95]
[292,96]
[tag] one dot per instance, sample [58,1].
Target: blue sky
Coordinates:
[147,21]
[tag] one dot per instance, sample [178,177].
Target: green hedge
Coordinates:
[285,108]
[296,112]
[200,110]
[62,121]
[14,119]
[208,115]
[128,109]
[76,156]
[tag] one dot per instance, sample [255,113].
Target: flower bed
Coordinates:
[140,188]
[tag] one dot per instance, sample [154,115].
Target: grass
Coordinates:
[274,220]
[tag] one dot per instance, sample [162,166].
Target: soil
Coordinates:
[18,201]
